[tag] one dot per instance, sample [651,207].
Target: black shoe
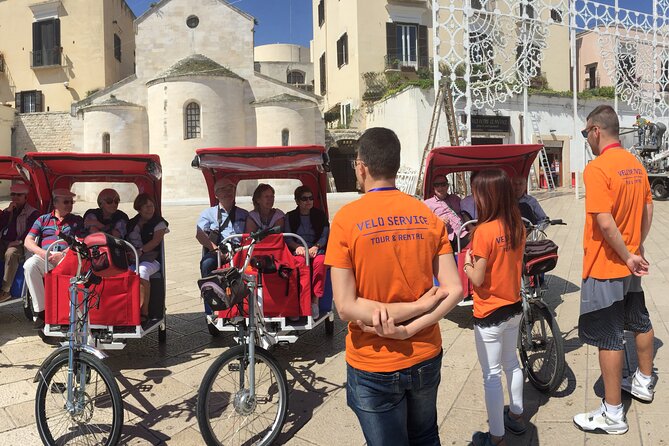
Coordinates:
[39,320]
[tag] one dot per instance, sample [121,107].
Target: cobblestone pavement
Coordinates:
[159,383]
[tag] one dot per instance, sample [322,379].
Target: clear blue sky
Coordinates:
[289,21]
[279,21]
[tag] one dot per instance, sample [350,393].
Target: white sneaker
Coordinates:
[314,310]
[633,386]
[599,421]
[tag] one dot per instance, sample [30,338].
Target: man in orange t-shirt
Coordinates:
[384,250]
[619,210]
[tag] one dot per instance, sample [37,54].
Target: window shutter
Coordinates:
[37,42]
[39,101]
[17,101]
[391,42]
[340,52]
[56,40]
[422,47]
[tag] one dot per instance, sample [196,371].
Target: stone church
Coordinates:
[194,86]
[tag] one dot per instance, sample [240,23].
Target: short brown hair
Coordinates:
[262,187]
[379,148]
[605,117]
[141,200]
[301,190]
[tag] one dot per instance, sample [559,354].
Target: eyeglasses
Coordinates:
[586,131]
[354,163]
[442,184]
[67,201]
[112,200]
[307,198]
[15,194]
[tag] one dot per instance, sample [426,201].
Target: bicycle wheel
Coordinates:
[227,414]
[542,353]
[97,416]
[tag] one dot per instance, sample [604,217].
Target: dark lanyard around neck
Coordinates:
[380,189]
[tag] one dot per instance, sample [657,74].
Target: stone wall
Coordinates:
[42,132]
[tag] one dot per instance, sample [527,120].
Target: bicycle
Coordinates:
[78,400]
[243,397]
[540,342]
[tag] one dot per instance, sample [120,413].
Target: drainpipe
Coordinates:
[522,128]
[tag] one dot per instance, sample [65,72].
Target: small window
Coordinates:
[321,12]
[342,50]
[106,143]
[295,77]
[192,120]
[285,137]
[256,67]
[29,101]
[117,47]
[192,21]
[556,15]
[322,73]
[46,43]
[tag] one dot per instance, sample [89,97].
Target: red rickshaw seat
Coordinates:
[282,297]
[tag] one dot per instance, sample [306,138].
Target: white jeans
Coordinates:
[496,348]
[34,273]
[147,269]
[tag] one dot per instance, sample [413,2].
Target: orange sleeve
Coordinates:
[597,196]
[482,242]
[337,253]
[444,244]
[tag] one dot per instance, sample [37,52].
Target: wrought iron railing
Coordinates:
[395,63]
[46,58]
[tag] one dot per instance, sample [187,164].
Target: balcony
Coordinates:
[591,83]
[395,64]
[46,58]
[305,87]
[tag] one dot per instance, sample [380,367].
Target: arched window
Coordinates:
[295,77]
[106,143]
[192,120]
[285,137]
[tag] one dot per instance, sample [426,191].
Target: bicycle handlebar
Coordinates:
[261,234]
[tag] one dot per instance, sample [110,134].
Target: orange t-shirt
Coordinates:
[616,183]
[501,285]
[389,240]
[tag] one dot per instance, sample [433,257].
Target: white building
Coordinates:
[194,86]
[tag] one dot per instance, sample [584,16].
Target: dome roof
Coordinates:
[195,65]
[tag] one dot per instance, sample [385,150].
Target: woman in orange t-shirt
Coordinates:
[493,264]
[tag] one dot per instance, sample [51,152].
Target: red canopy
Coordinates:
[303,163]
[515,159]
[51,170]
[11,168]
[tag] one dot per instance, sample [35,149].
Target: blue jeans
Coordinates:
[397,408]
[208,263]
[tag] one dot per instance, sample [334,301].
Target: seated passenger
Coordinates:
[107,217]
[146,231]
[441,205]
[15,223]
[216,223]
[529,206]
[312,225]
[467,204]
[264,215]
[46,228]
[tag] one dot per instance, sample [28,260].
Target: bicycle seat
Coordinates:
[264,264]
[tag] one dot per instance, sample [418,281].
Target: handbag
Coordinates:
[540,256]
[107,254]
[224,289]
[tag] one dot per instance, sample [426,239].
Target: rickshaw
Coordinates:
[285,296]
[116,317]
[540,342]
[13,169]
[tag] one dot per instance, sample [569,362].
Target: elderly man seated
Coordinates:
[447,207]
[45,231]
[529,206]
[15,223]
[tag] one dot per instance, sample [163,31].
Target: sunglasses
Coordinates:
[15,194]
[67,201]
[354,163]
[586,131]
[445,183]
[112,200]
[307,198]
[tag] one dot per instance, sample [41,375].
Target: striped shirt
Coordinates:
[47,228]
